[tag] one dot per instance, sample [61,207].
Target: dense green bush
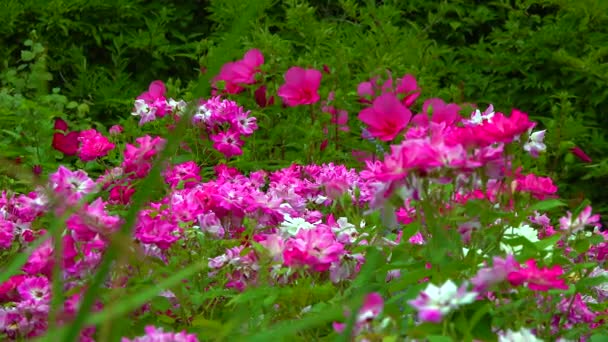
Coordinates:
[546,57]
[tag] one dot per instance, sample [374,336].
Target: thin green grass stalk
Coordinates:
[225,50]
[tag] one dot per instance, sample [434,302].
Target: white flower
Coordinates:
[524,231]
[145,112]
[177,106]
[477,118]
[291,225]
[449,296]
[523,335]
[535,143]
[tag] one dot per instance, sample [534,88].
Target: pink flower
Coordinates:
[71,186]
[154,334]
[489,276]
[188,173]
[155,98]
[539,187]
[301,86]
[373,304]
[157,231]
[35,289]
[137,159]
[439,111]
[115,130]
[239,73]
[584,219]
[386,118]
[408,87]
[8,289]
[121,194]
[502,129]
[93,145]
[580,154]
[538,279]
[316,247]
[228,143]
[7,231]
[338,117]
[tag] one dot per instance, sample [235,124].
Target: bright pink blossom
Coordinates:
[188,173]
[386,118]
[439,112]
[301,86]
[240,73]
[153,334]
[228,143]
[539,187]
[93,145]
[7,232]
[316,247]
[505,129]
[538,279]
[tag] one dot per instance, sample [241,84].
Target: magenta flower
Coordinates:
[157,231]
[71,185]
[386,118]
[580,154]
[7,231]
[239,73]
[439,112]
[489,276]
[539,187]
[152,104]
[93,145]
[538,279]
[301,86]
[502,129]
[154,334]
[316,247]
[188,173]
[155,97]
[35,289]
[116,130]
[228,143]
[408,87]
[137,159]
[372,308]
[584,219]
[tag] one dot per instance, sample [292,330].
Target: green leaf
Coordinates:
[546,205]
[27,56]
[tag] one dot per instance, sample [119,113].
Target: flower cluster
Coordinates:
[447,202]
